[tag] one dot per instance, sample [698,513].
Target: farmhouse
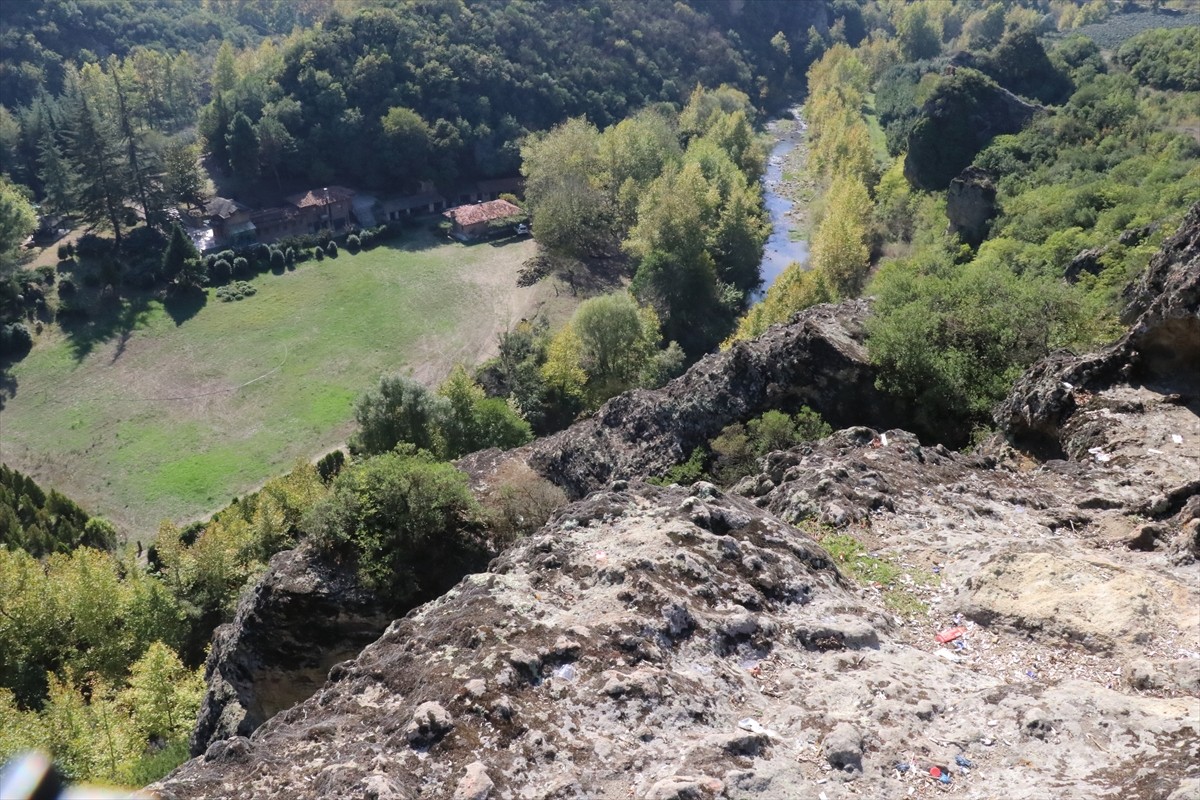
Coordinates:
[427,201]
[328,207]
[230,221]
[272,224]
[471,222]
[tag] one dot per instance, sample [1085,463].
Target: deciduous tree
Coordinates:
[17,221]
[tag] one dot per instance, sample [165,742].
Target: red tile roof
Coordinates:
[321,197]
[482,212]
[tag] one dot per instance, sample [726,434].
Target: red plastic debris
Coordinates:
[935,772]
[950,634]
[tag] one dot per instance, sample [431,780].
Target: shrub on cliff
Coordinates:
[408,521]
[950,339]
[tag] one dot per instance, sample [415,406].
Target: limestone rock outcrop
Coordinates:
[971,204]
[819,360]
[1071,405]
[1002,626]
[301,617]
[672,642]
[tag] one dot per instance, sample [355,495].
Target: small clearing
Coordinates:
[172,419]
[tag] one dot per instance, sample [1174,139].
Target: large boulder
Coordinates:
[964,112]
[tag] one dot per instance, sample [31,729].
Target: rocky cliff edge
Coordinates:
[1020,628]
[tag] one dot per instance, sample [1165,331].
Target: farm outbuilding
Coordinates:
[474,221]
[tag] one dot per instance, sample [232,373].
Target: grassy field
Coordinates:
[172,417]
[878,137]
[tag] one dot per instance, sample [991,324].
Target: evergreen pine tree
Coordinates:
[93,148]
[55,175]
[179,252]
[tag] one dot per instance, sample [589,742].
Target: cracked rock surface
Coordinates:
[1036,633]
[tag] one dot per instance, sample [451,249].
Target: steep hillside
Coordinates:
[1020,629]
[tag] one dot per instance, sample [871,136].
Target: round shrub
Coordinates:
[64,251]
[67,288]
[235,291]
[277,259]
[289,256]
[319,253]
[15,339]
[353,243]
[241,266]
[220,271]
[331,249]
[263,251]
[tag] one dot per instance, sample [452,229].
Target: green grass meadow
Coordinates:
[171,418]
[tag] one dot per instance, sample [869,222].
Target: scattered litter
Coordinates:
[959,644]
[987,741]
[883,439]
[1099,454]
[823,796]
[946,654]
[945,777]
[601,555]
[903,767]
[950,634]
[752,725]
[935,772]
[1031,674]
[566,672]
[1176,438]
[963,761]
[1068,386]
[1152,451]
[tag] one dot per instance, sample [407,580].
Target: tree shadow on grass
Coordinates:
[103,321]
[184,304]
[8,382]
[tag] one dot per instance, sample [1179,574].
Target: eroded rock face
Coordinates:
[672,642]
[971,204]
[303,616]
[819,360]
[1066,405]
[1028,628]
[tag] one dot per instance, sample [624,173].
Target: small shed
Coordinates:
[473,221]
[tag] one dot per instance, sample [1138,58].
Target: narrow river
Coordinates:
[780,185]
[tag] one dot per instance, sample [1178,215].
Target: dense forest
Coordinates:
[637,129]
